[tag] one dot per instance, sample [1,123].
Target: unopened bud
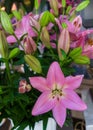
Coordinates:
[3,45]
[29,45]
[33,62]
[63,42]
[34,23]
[54,6]
[45,38]
[24,86]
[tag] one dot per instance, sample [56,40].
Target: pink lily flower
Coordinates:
[88,48]
[23,27]
[57,93]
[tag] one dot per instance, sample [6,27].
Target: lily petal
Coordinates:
[39,83]
[73,101]
[43,104]
[11,39]
[59,113]
[55,75]
[73,82]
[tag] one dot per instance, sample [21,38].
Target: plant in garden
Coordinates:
[38,51]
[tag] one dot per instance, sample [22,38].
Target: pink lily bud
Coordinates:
[34,23]
[24,86]
[22,89]
[29,45]
[45,38]
[64,42]
[54,6]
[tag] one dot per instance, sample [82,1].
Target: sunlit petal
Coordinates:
[73,82]
[73,101]
[43,104]
[59,113]
[39,83]
[55,75]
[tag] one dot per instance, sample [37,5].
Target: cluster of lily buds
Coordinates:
[24,86]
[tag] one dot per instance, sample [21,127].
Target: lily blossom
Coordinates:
[57,93]
[22,28]
[88,48]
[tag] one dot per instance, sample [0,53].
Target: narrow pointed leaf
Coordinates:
[75,52]
[82,60]
[82,5]
[17,14]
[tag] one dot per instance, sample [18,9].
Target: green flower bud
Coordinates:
[45,38]
[6,22]
[46,18]
[14,53]
[54,6]
[33,62]
[3,45]
[82,5]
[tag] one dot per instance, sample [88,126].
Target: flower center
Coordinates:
[90,41]
[57,93]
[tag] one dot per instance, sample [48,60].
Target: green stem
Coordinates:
[53,55]
[8,70]
[18,41]
[38,35]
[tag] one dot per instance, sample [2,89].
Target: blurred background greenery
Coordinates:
[28,5]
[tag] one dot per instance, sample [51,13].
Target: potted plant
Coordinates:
[36,73]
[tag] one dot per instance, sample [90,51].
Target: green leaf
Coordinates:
[33,62]
[82,5]
[64,55]
[17,14]
[63,3]
[6,22]
[75,52]
[68,9]
[45,121]
[82,60]
[14,53]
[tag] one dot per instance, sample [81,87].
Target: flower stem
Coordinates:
[8,70]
